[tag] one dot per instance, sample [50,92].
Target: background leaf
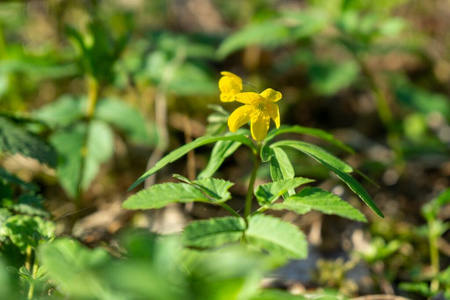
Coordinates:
[15,139]
[69,143]
[126,118]
[76,269]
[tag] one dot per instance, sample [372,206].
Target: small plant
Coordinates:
[254,227]
[436,280]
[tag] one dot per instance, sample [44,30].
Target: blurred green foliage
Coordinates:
[379,67]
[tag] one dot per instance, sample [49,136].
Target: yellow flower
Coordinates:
[258,109]
[229,85]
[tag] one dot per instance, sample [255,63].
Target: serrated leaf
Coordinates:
[319,154]
[276,236]
[269,192]
[31,205]
[215,189]
[14,139]
[160,195]
[220,151]
[27,231]
[76,269]
[317,199]
[308,131]
[176,154]
[357,188]
[126,118]
[211,190]
[213,232]
[69,144]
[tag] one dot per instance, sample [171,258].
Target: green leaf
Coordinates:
[280,165]
[31,205]
[309,131]
[416,287]
[14,139]
[213,232]
[176,154]
[276,236]
[431,210]
[13,179]
[215,189]
[159,195]
[69,144]
[269,192]
[268,33]
[357,188]
[317,153]
[63,111]
[317,199]
[277,295]
[76,269]
[221,150]
[27,231]
[126,118]
[329,77]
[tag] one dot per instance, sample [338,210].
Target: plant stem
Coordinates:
[434,254]
[93,94]
[249,197]
[33,275]
[229,209]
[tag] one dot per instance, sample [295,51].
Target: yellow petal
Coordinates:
[227,97]
[271,95]
[239,117]
[249,98]
[259,126]
[229,74]
[229,84]
[274,112]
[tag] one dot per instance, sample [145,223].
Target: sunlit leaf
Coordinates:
[317,199]
[269,192]
[308,131]
[176,154]
[317,153]
[276,236]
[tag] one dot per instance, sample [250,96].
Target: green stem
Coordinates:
[93,94]
[229,209]
[249,197]
[434,254]
[33,276]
